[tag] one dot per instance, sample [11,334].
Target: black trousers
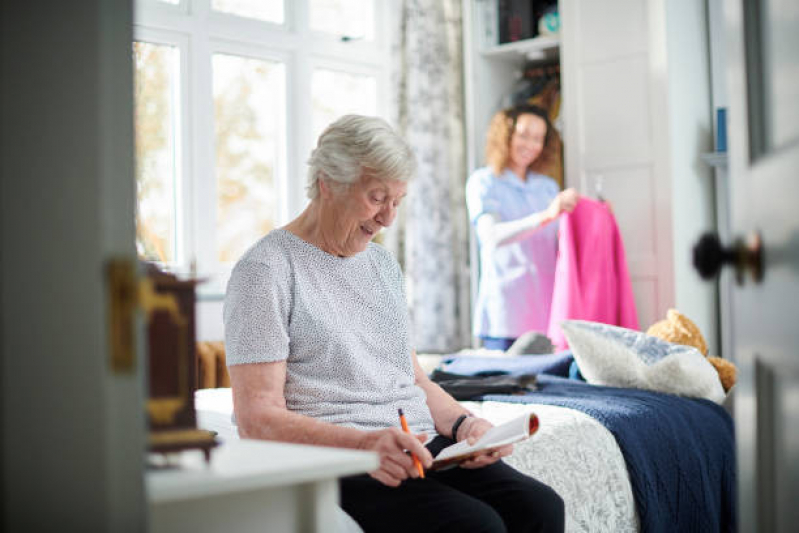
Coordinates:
[496,498]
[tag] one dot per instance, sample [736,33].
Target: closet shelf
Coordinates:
[535,48]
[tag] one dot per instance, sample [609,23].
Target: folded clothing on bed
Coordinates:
[556,364]
[680,452]
[463,387]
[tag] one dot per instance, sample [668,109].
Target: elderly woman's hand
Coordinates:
[395,464]
[472,429]
[565,201]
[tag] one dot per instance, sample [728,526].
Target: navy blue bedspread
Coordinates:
[680,452]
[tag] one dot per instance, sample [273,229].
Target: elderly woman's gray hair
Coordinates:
[354,145]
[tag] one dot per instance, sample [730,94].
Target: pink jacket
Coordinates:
[591,277]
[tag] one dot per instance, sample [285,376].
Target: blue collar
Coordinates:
[514,180]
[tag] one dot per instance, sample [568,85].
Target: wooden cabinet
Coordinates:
[169,305]
[636,118]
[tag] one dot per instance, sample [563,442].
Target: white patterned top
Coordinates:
[340,323]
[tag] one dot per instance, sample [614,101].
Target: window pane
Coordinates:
[336,93]
[173,2]
[346,18]
[155,105]
[266,10]
[249,106]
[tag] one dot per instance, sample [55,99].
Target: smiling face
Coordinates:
[354,215]
[527,141]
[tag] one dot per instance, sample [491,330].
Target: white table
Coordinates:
[253,485]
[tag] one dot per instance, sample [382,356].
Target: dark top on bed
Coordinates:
[680,452]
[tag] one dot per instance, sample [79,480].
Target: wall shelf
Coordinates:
[715,159]
[543,47]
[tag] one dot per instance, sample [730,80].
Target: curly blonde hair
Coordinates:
[500,131]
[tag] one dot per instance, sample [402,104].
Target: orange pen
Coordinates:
[416,461]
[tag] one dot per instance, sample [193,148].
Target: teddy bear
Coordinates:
[679,329]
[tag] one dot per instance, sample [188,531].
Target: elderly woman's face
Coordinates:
[527,140]
[360,211]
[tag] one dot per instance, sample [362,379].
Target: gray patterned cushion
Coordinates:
[620,357]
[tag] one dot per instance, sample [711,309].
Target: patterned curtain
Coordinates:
[432,235]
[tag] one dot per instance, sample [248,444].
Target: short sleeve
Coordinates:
[481,195]
[256,313]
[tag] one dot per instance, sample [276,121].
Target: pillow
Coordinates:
[621,357]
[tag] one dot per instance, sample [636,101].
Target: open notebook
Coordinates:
[514,430]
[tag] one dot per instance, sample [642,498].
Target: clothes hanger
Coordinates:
[599,181]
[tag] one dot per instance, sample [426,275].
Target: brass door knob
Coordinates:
[745,255]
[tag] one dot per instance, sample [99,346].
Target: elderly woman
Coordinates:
[511,205]
[319,352]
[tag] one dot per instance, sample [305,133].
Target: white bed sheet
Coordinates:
[214,409]
[573,453]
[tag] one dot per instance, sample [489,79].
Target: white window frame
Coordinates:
[199,32]
[184,190]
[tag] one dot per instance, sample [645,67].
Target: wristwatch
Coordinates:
[457,425]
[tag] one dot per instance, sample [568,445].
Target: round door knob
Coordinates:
[745,256]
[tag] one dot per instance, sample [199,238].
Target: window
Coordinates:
[230,96]
[352,19]
[248,119]
[155,115]
[335,93]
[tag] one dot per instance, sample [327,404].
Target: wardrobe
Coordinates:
[635,118]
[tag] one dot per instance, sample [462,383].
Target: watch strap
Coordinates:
[457,425]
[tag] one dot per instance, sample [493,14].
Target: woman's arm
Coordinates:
[446,410]
[261,413]
[493,232]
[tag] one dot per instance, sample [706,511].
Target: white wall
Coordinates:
[718,62]
[691,135]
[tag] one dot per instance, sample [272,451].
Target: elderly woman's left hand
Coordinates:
[472,429]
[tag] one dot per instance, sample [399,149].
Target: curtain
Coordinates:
[432,235]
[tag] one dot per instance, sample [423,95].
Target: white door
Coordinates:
[73,427]
[763,83]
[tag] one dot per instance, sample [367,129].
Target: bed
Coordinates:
[622,459]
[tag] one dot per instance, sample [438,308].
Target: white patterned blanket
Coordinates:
[579,458]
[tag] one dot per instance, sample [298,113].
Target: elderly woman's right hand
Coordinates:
[566,200]
[395,464]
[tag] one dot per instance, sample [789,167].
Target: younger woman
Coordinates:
[512,207]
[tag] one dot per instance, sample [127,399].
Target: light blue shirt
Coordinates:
[516,279]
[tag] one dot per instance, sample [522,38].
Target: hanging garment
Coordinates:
[591,277]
